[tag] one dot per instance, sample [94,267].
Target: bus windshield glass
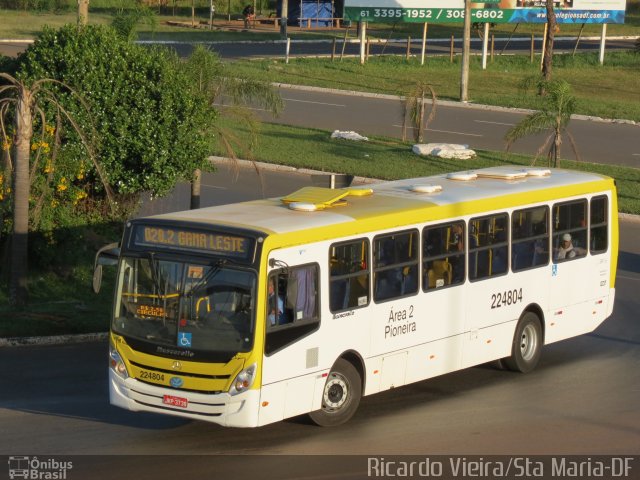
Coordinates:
[192,306]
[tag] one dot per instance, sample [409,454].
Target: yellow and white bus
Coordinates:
[249,313]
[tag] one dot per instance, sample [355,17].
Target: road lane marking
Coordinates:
[495,123]
[444,131]
[315,103]
[635,154]
[224,105]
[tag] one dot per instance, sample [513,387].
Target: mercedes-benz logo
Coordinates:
[176,366]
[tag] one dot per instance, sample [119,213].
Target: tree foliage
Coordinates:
[125,21]
[554,117]
[210,81]
[113,115]
[415,107]
[150,126]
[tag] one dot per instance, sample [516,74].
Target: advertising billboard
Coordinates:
[502,11]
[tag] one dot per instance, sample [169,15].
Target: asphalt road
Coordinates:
[582,399]
[236,50]
[477,126]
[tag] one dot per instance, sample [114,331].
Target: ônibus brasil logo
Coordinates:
[38,469]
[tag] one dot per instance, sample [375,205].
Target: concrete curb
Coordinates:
[283,168]
[53,340]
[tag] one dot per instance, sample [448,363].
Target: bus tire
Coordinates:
[527,344]
[340,396]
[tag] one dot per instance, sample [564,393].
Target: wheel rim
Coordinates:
[528,342]
[336,393]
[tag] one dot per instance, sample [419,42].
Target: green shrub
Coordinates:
[148,123]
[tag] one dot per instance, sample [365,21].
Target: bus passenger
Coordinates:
[273,304]
[567,250]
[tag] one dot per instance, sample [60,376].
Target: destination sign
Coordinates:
[191,240]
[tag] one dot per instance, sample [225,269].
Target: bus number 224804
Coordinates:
[508,297]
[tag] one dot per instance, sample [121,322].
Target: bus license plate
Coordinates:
[175,401]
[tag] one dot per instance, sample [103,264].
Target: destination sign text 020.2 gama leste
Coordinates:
[189,239]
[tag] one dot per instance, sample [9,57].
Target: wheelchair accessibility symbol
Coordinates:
[184,339]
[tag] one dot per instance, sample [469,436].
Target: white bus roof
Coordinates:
[403,202]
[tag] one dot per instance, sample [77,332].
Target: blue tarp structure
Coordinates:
[318,12]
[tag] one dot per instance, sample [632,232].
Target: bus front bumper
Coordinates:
[239,410]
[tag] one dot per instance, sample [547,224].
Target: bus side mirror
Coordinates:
[107,255]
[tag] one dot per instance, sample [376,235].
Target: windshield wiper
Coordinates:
[153,265]
[205,280]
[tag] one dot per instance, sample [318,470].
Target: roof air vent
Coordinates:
[426,188]
[462,176]
[537,172]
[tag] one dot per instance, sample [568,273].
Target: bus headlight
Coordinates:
[243,380]
[116,363]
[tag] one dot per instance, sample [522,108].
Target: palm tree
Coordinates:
[415,107]
[22,103]
[210,82]
[559,105]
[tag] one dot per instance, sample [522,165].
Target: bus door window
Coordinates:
[599,225]
[277,288]
[569,230]
[443,257]
[292,305]
[529,238]
[488,246]
[349,275]
[395,265]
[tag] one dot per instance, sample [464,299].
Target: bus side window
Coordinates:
[395,265]
[488,246]
[443,257]
[599,225]
[292,305]
[529,238]
[349,275]
[570,230]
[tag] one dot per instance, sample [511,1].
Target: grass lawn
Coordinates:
[610,91]
[59,305]
[390,159]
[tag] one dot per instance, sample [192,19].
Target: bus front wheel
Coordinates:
[340,395]
[527,344]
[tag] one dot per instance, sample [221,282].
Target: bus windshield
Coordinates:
[189,305]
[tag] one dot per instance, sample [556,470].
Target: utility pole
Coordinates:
[466,50]
[284,17]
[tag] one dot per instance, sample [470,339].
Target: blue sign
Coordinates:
[184,339]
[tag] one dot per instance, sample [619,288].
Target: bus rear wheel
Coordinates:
[340,396]
[527,344]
